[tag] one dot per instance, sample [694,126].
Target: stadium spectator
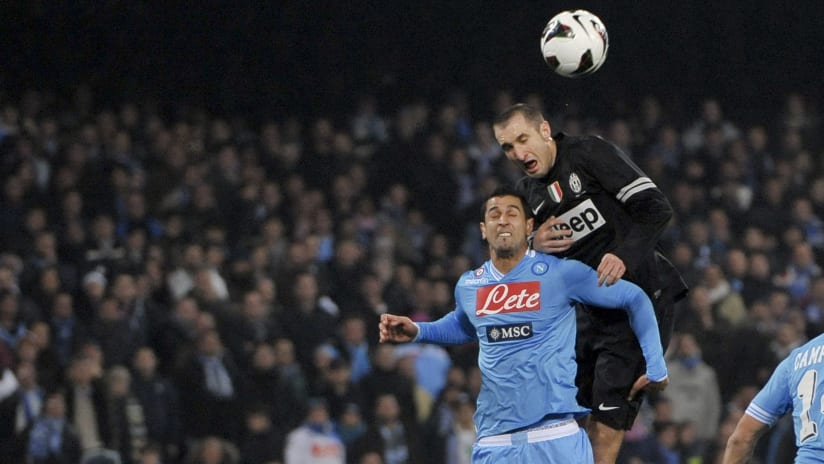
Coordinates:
[342,274]
[310,319]
[395,439]
[385,377]
[213,450]
[251,324]
[799,272]
[339,390]
[20,409]
[212,384]
[463,435]
[160,401]
[315,440]
[86,403]
[693,391]
[113,332]
[265,387]
[759,282]
[52,438]
[711,115]
[176,336]
[407,366]
[438,429]
[291,373]
[351,426]
[727,303]
[126,417]
[353,344]
[261,443]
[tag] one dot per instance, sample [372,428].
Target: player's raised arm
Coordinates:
[582,283]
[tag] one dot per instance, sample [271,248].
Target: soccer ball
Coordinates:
[574,43]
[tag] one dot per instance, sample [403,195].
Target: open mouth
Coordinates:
[530,165]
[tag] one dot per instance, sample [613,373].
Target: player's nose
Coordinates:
[519,152]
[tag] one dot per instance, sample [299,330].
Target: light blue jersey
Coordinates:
[797,385]
[525,324]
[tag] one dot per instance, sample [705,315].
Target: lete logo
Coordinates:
[508,298]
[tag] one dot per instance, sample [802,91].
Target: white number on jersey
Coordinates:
[806,392]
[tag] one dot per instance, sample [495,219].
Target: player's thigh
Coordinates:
[572,449]
[585,356]
[619,364]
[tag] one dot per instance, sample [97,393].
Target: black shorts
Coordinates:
[610,360]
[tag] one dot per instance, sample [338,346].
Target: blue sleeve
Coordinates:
[582,284]
[774,400]
[452,329]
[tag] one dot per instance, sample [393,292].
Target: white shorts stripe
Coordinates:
[552,431]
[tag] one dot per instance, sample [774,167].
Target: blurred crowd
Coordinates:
[184,287]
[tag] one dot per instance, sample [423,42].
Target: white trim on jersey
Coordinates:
[638,185]
[759,414]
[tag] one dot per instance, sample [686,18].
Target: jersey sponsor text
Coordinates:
[581,220]
[512,297]
[501,333]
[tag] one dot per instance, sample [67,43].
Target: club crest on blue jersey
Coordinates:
[479,272]
[502,333]
[539,268]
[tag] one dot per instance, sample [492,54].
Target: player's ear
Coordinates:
[546,131]
[530,223]
[483,230]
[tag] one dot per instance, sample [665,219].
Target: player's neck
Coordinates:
[506,263]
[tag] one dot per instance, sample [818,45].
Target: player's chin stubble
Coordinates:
[505,252]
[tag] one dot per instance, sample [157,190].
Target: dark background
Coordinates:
[311,57]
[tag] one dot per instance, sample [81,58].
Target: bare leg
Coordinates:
[606,442]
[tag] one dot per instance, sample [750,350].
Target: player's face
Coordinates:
[529,146]
[505,226]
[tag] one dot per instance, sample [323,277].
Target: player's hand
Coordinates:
[398,329]
[549,240]
[643,383]
[610,270]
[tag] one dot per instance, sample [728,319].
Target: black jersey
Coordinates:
[610,206]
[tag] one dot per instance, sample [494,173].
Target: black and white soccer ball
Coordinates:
[574,43]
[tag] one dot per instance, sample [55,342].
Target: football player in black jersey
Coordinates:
[595,205]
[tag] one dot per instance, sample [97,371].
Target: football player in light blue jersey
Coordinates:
[796,385]
[519,306]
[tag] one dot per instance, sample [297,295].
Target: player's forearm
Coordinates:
[742,441]
[643,322]
[447,330]
[623,295]
[739,448]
